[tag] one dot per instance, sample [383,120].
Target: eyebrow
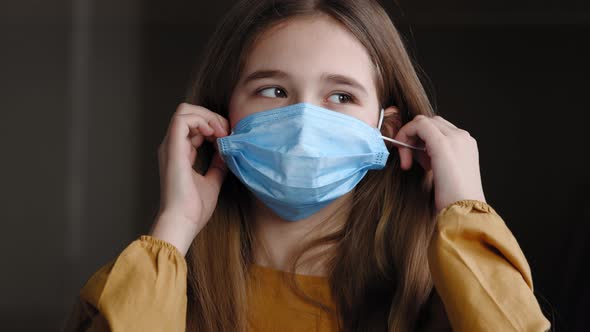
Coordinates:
[260,74]
[344,80]
[333,78]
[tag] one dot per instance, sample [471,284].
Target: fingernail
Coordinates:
[222,129]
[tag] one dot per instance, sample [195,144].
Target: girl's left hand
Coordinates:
[452,155]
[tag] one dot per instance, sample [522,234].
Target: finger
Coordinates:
[406,154]
[440,118]
[192,155]
[421,127]
[197,140]
[162,152]
[423,160]
[215,120]
[443,125]
[213,141]
[199,125]
[164,143]
[216,172]
[184,127]
[223,122]
[205,127]
[407,157]
[217,125]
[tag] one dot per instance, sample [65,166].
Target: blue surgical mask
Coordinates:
[299,158]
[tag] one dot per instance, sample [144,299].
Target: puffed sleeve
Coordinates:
[480,272]
[143,289]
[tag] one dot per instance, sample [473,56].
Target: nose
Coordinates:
[307,98]
[307,93]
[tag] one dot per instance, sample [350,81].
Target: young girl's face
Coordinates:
[308,59]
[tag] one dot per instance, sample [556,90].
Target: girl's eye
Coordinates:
[340,98]
[273,92]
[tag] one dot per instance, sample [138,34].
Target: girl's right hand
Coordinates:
[187,198]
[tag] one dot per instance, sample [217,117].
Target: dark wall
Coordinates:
[520,91]
[70,126]
[88,89]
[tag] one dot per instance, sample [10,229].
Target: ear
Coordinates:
[392,122]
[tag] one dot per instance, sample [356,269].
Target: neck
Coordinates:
[278,240]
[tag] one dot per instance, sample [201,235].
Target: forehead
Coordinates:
[308,46]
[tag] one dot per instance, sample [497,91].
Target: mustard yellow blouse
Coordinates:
[482,280]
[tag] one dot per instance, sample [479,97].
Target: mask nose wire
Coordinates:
[393,140]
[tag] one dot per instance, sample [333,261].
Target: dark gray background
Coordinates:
[88,87]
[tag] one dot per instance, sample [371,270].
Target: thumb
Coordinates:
[217,171]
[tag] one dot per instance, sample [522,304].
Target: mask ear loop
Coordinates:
[391,139]
[380,118]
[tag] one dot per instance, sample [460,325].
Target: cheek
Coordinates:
[369,117]
[373,118]
[242,104]
[237,108]
[367,112]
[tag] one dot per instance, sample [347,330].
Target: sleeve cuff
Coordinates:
[149,241]
[467,206]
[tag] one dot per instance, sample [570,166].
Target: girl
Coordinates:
[327,194]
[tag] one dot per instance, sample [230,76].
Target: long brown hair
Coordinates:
[378,269]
